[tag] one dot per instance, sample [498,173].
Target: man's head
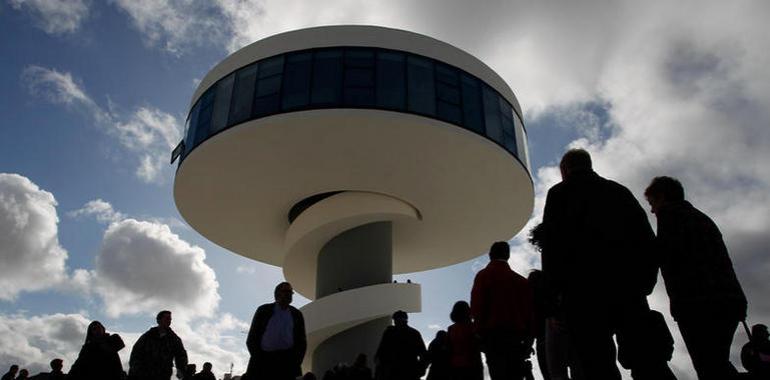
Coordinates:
[663,190]
[500,250]
[14,369]
[164,319]
[574,161]
[207,367]
[400,318]
[283,294]
[759,333]
[56,365]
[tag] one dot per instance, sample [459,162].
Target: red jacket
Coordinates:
[502,299]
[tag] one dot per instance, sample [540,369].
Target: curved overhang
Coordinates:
[237,187]
[357,36]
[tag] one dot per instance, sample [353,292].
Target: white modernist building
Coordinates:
[345,154]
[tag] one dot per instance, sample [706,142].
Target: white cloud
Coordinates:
[55,17]
[142,267]
[32,341]
[173,25]
[147,133]
[246,269]
[31,257]
[100,209]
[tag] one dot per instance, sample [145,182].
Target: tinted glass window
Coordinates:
[296,80]
[189,138]
[266,98]
[271,66]
[391,80]
[359,78]
[204,116]
[222,103]
[473,111]
[492,115]
[421,92]
[327,77]
[243,94]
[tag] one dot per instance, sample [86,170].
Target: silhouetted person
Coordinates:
[556,357]
[190,371]
[438,357]
[98,358]
[464,350]
[705,296]
[23,374]
[755,355]
[360,369]
[11,374]
[401,353]
[55,374]
[650,348]
[502,310]
[157,351]
[205,373]
[276,340]
[597,256]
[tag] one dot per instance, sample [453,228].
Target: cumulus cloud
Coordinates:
[100,209]
[147,133]
[143,267]
[31,257]
[55,17]
[32,341]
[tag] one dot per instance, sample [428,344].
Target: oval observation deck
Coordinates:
[300,137]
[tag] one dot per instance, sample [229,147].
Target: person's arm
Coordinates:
[180,357]
[300,337]
[137,353]
[479,302]
[254,338]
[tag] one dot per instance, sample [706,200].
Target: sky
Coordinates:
[95,94]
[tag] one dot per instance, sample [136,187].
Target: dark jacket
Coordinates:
[695,264]
[99,359]
[401,354]
[598,240]
[501,299]
[152,355]
[254,341]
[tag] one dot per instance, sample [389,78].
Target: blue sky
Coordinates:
[94,94]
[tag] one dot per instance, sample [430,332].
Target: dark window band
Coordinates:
[353,77]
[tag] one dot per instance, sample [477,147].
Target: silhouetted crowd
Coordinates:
[581,315]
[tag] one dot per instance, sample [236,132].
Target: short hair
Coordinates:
[14,367]
[500,250]
[161,314]
[56,363]
[537,237]
[758,328]
[461,312]
[668,188]
[275,291]
[400,314]
[576,160]
[207,365]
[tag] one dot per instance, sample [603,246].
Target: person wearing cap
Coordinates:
[401,353]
